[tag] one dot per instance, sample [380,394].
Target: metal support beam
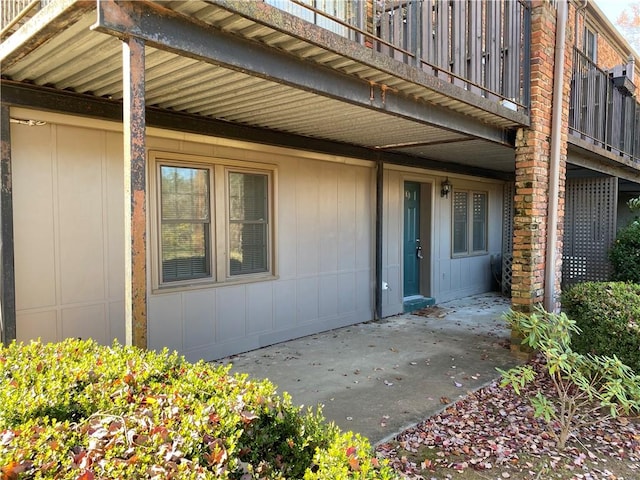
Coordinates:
[135,193]
[165,29]
[7,273]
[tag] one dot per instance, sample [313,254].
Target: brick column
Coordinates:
[533,151]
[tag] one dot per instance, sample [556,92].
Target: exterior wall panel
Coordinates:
[259,308]
[80,204]
[199,325]
[86,322]
[230,319]
[37,324]
[34,232]
[328,296]
[165,327]
[64,181]
[324,236]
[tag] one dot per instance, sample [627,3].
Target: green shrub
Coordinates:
[77,410]
[625,254]
[608,314]
[583,384]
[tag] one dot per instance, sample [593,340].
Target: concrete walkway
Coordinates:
[377,378]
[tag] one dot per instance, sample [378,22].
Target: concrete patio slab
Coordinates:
[377,378]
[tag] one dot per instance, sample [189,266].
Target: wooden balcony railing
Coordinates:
[601,111]
[482,46]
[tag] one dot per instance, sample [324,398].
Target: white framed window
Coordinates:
[590,44]
[212,220]
[469,223]
[185,222]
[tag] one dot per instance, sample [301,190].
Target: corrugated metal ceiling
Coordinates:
[85,61]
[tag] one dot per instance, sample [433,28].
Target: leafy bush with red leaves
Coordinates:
[77,410]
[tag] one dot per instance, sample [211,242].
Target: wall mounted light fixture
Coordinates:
[445,188]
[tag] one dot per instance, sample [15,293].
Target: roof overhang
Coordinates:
[223,61]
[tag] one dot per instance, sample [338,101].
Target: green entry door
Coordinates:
[412,246]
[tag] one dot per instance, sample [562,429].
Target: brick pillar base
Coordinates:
[533,153]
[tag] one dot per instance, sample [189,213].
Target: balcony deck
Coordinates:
[458,65]
[478,46]
[253,65]
[604,115]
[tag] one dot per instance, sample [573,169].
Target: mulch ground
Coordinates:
[494,430]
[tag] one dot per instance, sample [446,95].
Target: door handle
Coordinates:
[419,249]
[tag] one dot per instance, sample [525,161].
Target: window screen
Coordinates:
[248,223]
[185,223]
[479,222]
[460,222]
[590,44]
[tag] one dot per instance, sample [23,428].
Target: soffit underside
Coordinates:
[89,62]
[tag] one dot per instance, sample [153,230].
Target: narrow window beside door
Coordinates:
[469,223]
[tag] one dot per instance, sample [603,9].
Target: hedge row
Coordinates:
[608,315]
[77,410]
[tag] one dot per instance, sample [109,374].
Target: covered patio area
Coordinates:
[376,378]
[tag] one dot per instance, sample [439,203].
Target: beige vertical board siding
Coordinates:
[307,216]
[165,322]
[114,234]
[393,199]
[364,243]
[286,266]
[80,153]
[85,322]
[259,300]
[347,219]
[318,272]
[33,324]
[34,206]
[346,237]
[442,244]
[64,181]
[328,241]
[230,313]
[199,320]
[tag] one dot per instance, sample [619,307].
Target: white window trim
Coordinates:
[219,212]
[588,29]
[469,251]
